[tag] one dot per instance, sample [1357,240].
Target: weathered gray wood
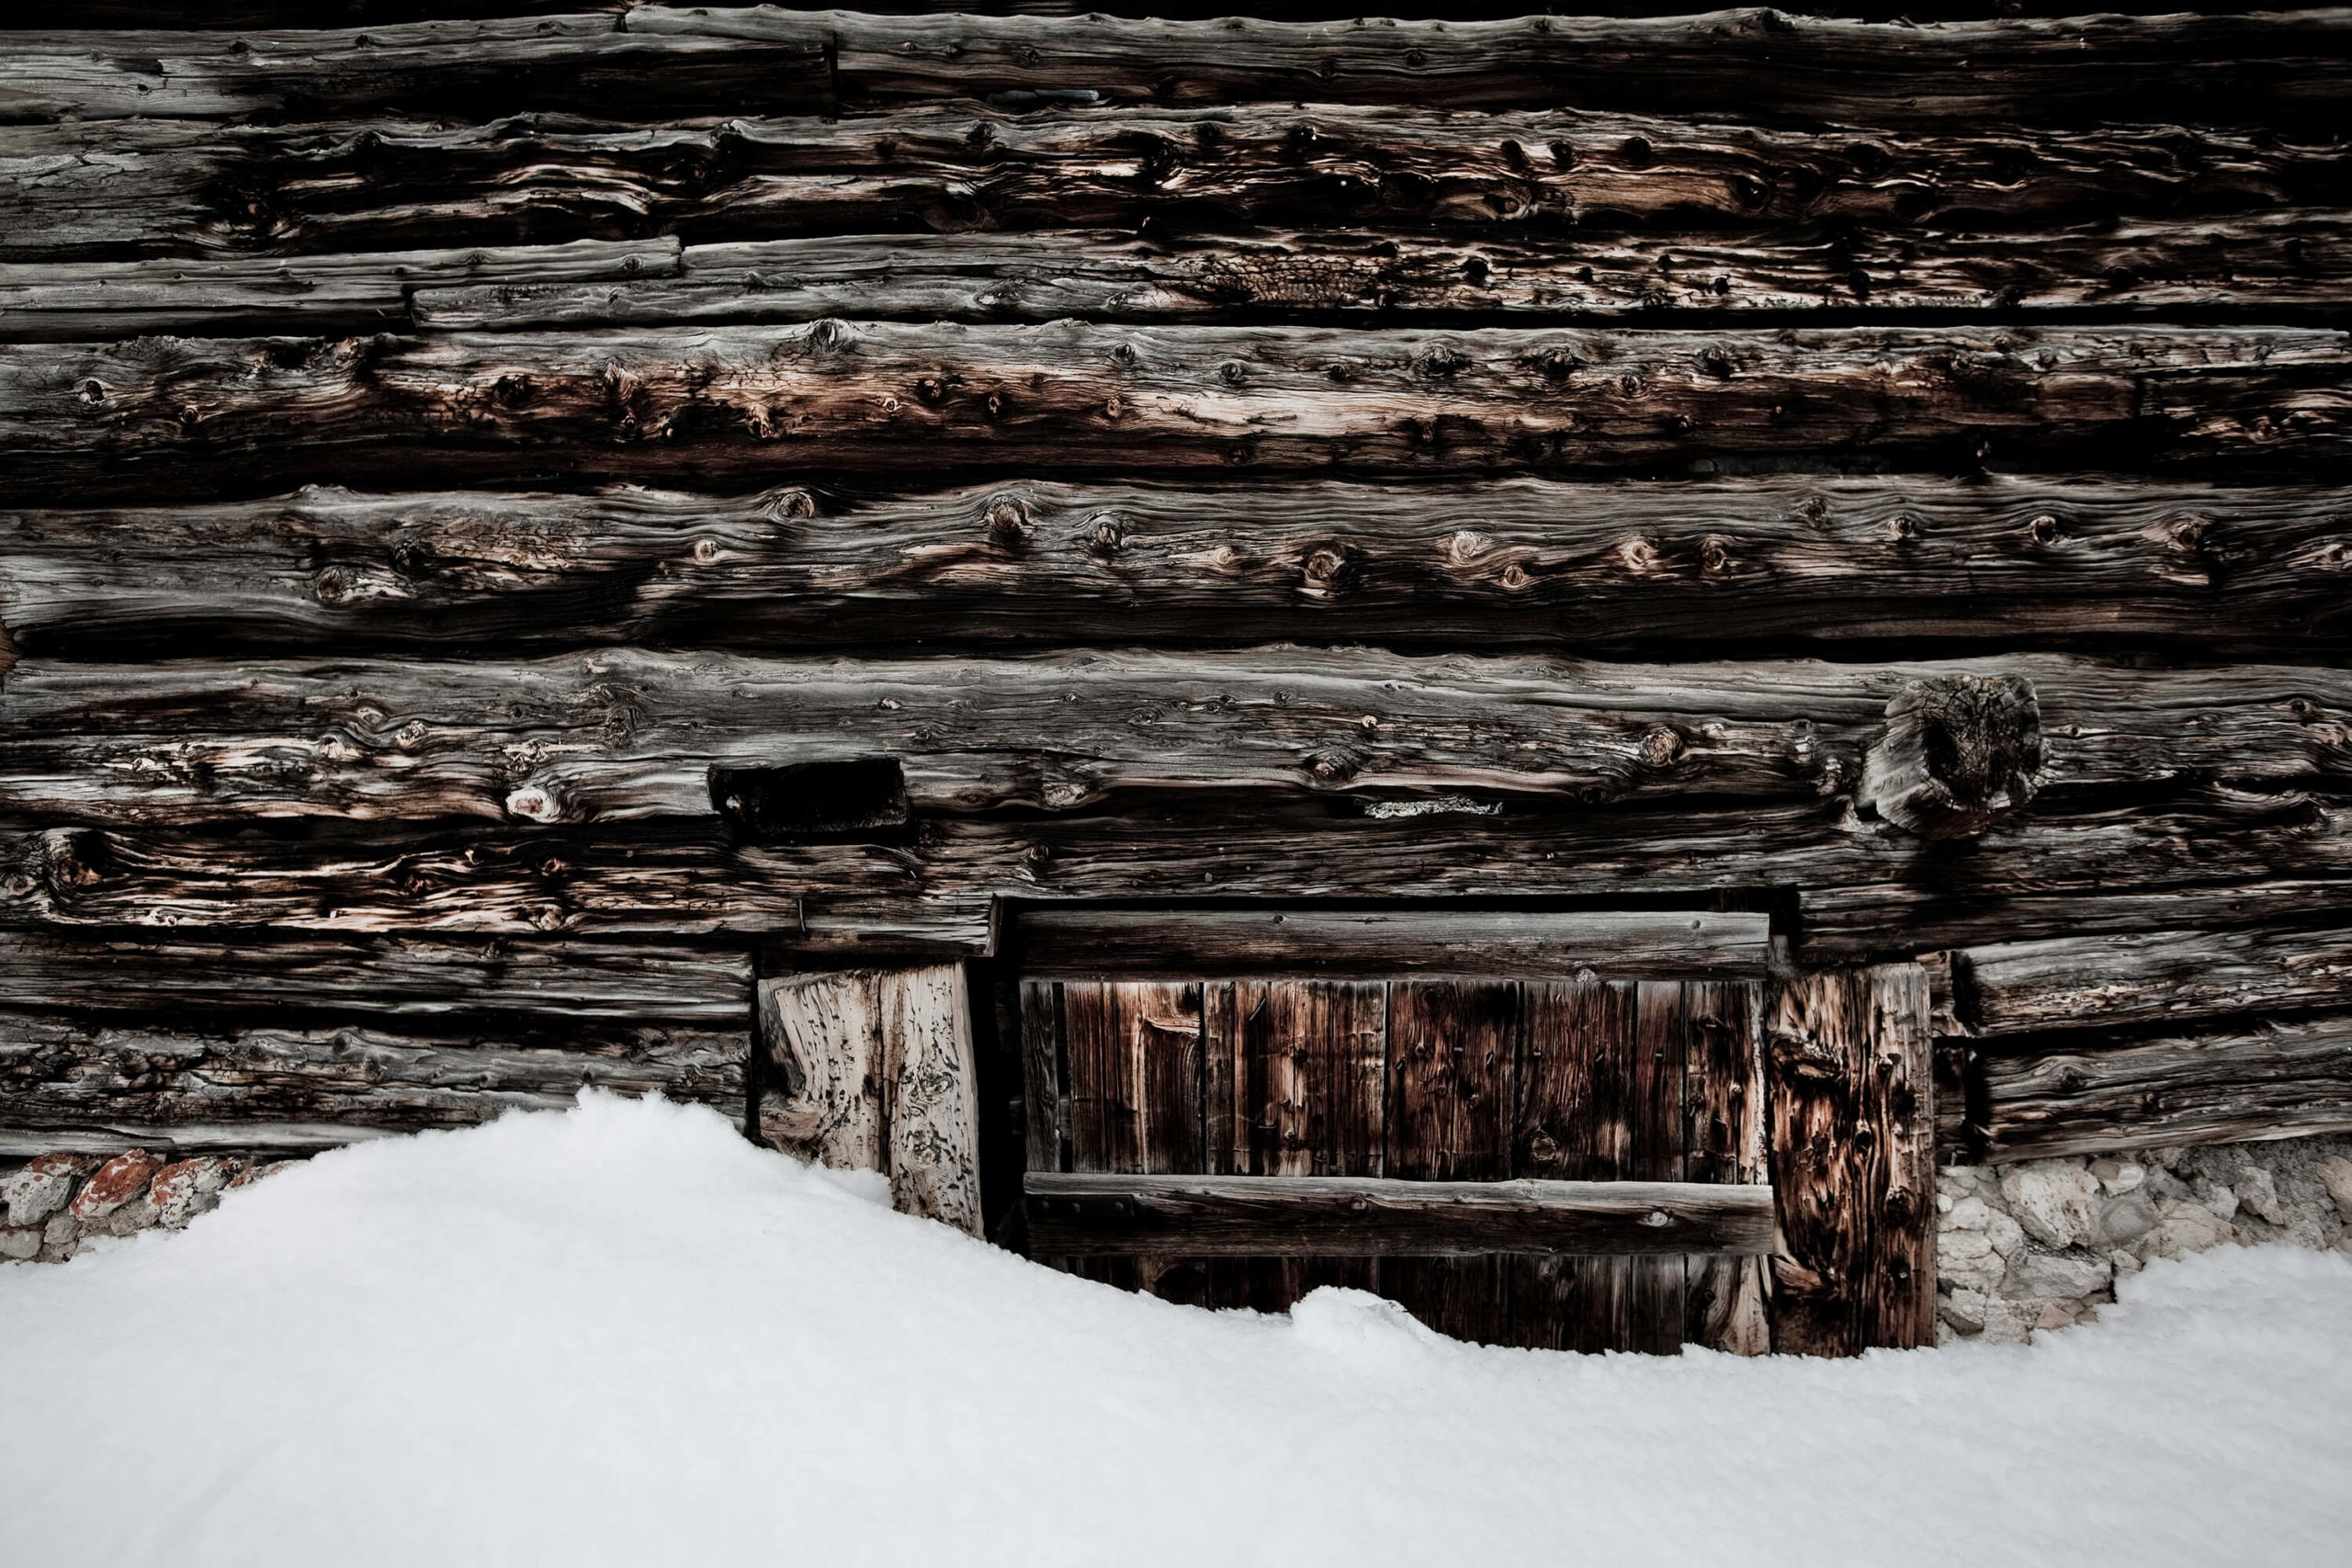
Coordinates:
[1850,1069]
[877,1070]
[399,977]
[2056,1097]
[1726,1138]
[2071,982]
[1744,63]
[148,1083]
[67,301]
[1823,560]
[1079,943]
[112,187]
[744,404]
[475,70]
[625,733]
[1308,1216]
[2289,262]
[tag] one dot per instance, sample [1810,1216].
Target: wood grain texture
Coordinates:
[1074,942]
[1134,1054]
[626,734]
[233,296]
[1239,1217]
[934,1109]
[2271,266]
[2061,1097]
[822,1036]
[2151,976]
[749,405]
[108,189]
[465,70]
[1813,561]
[1311,1077]
[1725,1139]
[1760,65]
[1853,1143]
[166,1083]
[406,978]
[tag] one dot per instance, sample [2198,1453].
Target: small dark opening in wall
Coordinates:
[815,803]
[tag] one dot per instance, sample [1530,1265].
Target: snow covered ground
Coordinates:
[621,1335]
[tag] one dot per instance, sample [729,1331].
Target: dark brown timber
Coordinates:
[110,189]
[625,734]
[1853,1137]
[750,405]
[1241,1216]
[2148,977]
[2063,1097]
[84,1083]
[1822,559]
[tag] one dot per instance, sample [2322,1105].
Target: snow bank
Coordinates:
[622,1334]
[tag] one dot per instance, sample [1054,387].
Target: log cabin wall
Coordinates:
[517,520]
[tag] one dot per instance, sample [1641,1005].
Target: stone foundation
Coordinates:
[2039,1244]
[52,1206]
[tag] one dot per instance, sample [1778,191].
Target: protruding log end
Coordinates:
[1960,753]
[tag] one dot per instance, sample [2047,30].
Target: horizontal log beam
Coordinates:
[2283,1079]
[67,301]
[751,404]
[1743,63]
[473,70]
[409,978]
[105,190]
[1662,946]
[1540,562]
[629,733]
[2077,982]
[75,1084]
[2263,265]
[1094,1216]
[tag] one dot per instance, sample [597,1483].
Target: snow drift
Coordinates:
[620,1334]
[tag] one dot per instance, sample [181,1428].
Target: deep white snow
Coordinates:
[620,1335]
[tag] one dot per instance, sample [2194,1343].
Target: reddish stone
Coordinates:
[188,1188]
[41,1188]
[117,1182]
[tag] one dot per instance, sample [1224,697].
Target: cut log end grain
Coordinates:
[1960,753]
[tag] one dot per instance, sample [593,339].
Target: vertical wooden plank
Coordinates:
[1166,1036]
[1041,1073]
[933,1112]
[1452,1057]
[1313,1063]
[1850,1082]
[1574,1121]
[1655,1307]
[1724,1299]
[1224,1114]
[823,1034]
[1133,1052]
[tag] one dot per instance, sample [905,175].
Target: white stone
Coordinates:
[2120,1176]
[2051,1199]
[2259,1194]
[20,1242]
[1965,1310]
[2125,1219]
[2335,1173]
[2218,1199]
[2007,1235]
[2057,1276]
[2185,1228]
[40,1189]
[2123,1262]
[1981,1273]
[1968,1214]
[2010,1323]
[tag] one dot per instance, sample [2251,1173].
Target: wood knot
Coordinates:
[1661,747]
[1008,522]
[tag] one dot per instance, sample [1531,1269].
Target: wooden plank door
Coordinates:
[1440,1080]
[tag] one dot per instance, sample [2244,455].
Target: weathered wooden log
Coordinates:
[2267,266]
[228,15]
[696,884]
[471,70]
[67,301]
[877,1075]
[629,733]
[84,1084]
[2075,982]
[2280,1079]
[1519,561]
[2283,70]
[2212,860]
[748,404]
[1611,945]
[1960,753]
[1848,1066]
[1095,1215]
[110,189]
[406,978]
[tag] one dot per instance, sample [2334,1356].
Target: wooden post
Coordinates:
[877,1071]
[1851,1085]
